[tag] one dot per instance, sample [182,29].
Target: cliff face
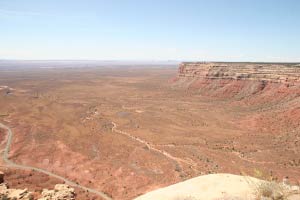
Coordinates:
[252,82]
[276,73]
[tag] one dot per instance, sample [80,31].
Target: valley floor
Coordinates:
[130,130]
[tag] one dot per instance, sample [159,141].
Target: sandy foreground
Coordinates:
[213,186]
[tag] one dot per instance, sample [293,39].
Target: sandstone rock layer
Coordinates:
[279,73]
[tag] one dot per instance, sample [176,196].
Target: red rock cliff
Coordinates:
[278,73]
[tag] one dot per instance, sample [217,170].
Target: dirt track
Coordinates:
[151,146]
[15,165]
[161,128]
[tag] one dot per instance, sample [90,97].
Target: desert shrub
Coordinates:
[271,190]
[267,188]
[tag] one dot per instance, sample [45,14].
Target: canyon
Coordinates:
[128,130]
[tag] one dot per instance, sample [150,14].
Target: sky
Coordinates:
[185,30]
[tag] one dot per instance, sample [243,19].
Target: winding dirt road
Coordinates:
[151,146]
[10,163]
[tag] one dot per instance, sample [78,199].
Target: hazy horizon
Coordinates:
[218,30]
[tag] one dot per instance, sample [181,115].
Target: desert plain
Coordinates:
[127,130]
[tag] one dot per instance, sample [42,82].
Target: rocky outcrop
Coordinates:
[224,186]
[60,192]
[278,73]
[6,193]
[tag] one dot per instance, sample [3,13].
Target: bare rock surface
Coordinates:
[6,193]
[60,192]
[274,72]
[220,187]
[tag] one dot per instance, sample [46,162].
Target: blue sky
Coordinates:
[221,30]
